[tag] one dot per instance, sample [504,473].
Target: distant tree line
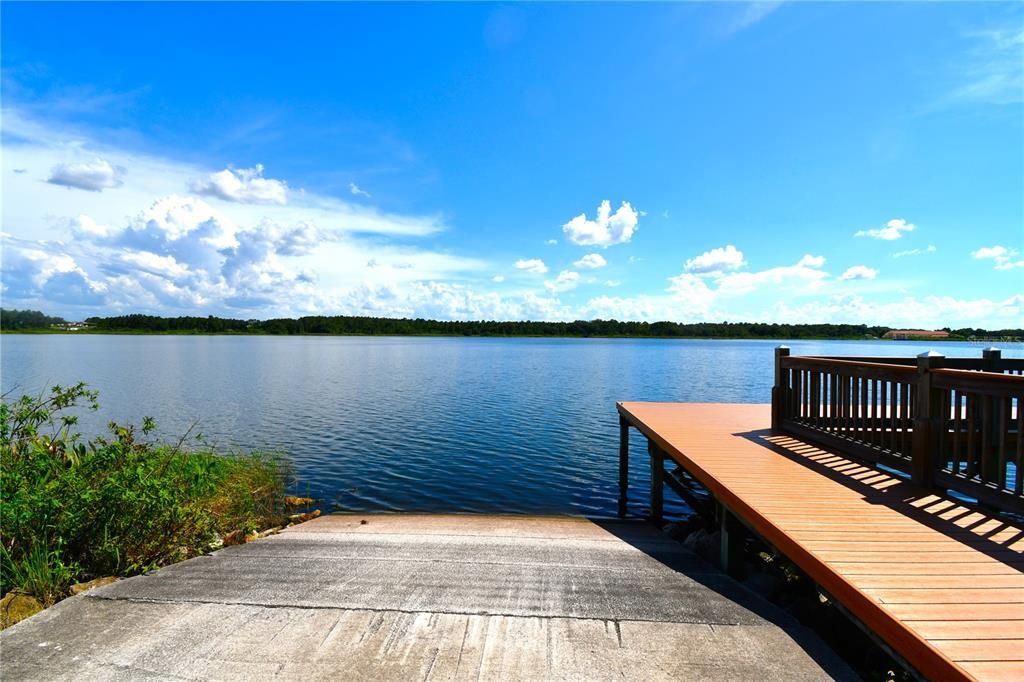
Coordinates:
[27,319]
[386,326]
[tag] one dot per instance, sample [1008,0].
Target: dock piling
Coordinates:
[623,464]
[657,482]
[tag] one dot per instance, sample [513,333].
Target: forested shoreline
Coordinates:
[343,325]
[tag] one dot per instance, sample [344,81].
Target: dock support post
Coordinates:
[732,535]
[623,464]
[657,482]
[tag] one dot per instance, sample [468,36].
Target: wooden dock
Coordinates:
[938,581]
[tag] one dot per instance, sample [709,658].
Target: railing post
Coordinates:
[780,389]
[990,359]
[623,463]
[928,419]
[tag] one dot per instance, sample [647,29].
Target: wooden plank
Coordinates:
[853,569]
[995,671]
[962,612]
[976,629]
[982,649]
[924,595]
[953,580]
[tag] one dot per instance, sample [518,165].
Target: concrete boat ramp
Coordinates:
[426,597]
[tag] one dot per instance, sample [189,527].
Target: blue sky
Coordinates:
[789,162]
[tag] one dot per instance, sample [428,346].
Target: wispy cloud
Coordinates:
[993,70]
[358,191]
[749,14]
[915,252]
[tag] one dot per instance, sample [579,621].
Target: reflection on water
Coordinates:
[423,424]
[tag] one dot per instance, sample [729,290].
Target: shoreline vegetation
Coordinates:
[35,322]
[77,510]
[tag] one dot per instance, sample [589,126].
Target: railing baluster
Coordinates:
[904,419]
[970,455]
[847,400]
[941,448]
[892,409]
[956,432]
[864,409]
[816,401]
[1001,457]
[987,464]
[876,416]
[1018,475]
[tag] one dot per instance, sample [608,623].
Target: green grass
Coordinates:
[75,509]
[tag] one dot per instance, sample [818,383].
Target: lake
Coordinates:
[419,424]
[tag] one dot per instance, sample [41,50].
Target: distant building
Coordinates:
[71,326]
[905,334]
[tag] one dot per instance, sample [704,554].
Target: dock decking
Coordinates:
[941,583]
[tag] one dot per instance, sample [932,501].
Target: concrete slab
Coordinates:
[425,597]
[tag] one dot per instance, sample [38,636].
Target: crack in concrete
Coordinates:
[370,609]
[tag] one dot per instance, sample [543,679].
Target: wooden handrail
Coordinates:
[955,423]
[989,383]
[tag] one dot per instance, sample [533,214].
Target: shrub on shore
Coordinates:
[76,508]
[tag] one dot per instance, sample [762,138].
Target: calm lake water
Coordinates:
[419,424]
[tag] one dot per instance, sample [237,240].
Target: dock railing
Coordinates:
[952,423]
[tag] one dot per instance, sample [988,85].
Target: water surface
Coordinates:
[419,424]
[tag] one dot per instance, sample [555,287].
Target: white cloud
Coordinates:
[243,185]
[915,252]
[93,176]
[893,229]
[84,226]
[1004,258]
[551,242]
[357,190]
[591,261]
[566,280]
[498,278]
[805,276]
[181,255]
[859,272]
[532,265]
[810,261]
[613,283]
[716,261]
[606,229]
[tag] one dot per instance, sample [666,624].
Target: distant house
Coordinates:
[905,334]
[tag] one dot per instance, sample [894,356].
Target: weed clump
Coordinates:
[75,509]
